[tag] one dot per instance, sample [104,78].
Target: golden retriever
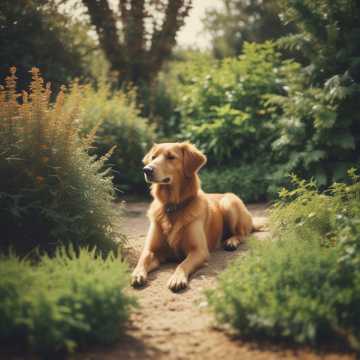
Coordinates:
[185,222]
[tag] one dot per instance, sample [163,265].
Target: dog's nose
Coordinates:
[148,171]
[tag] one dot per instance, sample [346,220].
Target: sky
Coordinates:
[191,35]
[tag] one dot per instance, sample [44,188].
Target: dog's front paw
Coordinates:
[138,278]
[178,281]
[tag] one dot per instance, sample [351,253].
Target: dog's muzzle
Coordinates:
[151,178]
[149,173]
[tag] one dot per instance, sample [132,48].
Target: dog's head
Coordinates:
[170,163]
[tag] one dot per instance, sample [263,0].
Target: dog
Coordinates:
[186,223]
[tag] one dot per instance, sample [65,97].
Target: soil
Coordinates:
[179,325]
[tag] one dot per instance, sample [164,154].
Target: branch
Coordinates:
[123,7]
[165,39]
[135,29]
[103,19]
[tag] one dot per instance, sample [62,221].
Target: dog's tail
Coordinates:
[260,224]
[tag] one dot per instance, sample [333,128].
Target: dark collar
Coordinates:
[171,208]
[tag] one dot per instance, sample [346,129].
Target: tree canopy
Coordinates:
[35,33]
[238,21]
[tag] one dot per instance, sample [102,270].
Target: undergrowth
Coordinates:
[120,124]
[302,284]
[52,191]
[62,303]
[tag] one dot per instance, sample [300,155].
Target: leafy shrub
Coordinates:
[224,109]
[52,191]
[249,182]
[120,124]
[300,118]
[304,284]
[312,139]
[320,133]
[64,302]
[165,97]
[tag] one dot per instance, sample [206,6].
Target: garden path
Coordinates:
[179,326]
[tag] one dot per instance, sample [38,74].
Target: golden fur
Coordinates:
[200,221]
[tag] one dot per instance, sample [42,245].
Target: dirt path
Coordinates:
[179,326]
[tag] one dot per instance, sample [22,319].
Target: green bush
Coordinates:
[312,139]
[249,182]
[300,118]
[223,109]
[120,124]
[303,284]
[165,97]
[51,191]
[62,303]
[320,133]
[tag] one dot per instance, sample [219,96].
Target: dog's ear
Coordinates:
[147,157]
[194,159]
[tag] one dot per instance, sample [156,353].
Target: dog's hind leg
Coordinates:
[237,220]
[232,243]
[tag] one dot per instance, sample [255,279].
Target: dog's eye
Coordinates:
[170,157]
[153,157]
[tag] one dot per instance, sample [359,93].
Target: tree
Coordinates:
[34,33]
[243,20]
[139,36]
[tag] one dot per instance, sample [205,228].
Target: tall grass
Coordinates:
[52,191]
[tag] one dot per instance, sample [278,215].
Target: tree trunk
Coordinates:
[135,54]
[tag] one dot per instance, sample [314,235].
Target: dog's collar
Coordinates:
[170,208]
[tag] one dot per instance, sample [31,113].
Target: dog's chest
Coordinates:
[174,241]
[174,225]
[173,229]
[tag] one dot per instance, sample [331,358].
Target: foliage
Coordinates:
[297,118]
[320,129]
[159,105]
[247,181]
[35,33]
[224,112]
[165,100]
[120,124]
[240,21]
[62,303]
[52,191]
[303,285]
